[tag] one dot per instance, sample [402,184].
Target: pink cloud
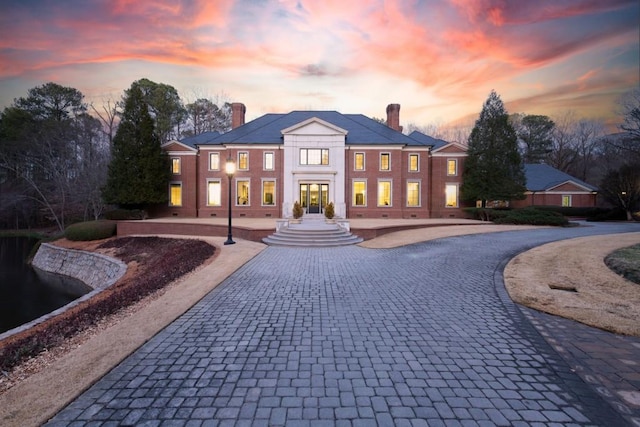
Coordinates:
[452,50]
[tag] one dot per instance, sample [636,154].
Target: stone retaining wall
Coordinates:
[96,270]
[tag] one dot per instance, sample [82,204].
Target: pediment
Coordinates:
[314,126]
[175,146]
[568,186]
[451,148]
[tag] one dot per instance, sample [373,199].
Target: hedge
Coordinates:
[91,230]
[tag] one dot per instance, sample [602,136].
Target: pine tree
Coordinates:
[139,171]
[493,168]
[536,135]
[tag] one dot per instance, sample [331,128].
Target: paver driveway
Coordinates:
[419,335]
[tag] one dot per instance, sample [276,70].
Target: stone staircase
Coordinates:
[312,232]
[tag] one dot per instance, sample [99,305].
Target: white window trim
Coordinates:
[217,154]
[238,161]
[455,184]
[236,181]
[353,195]
[390,181]
[321,157]
[275,191]
[364,161]
[219,181]
[419,182]
[179,165]
[171,184]
[417,163]
[456,163]
[570,201]
[264,161]
[380,162]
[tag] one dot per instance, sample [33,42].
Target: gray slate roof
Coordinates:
[541,177]
[428,140]
[202,138]
[267,129]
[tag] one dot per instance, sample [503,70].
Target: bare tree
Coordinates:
[587,142]
[563,154]
[630,110]
[108,116]
[206,113]
[447,132]
[48,146]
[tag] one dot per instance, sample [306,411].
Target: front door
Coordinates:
[314,197]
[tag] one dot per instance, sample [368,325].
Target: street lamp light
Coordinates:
[230,169]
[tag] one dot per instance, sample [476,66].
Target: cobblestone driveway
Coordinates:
[419,335]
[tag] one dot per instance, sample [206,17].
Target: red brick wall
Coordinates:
[187,177]
[439,179]
[398,175]
[548,199]
[254,174]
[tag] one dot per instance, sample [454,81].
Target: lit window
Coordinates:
[175,165]
[384,193]
[359,193]
[451,195]
[214,193]
[214,161]
[268,192]
[175,194]
[359,162]
[566,201]
[243,160]
[413,162]
[314,156]
[268,161]
[385,165]
[413,193]
[242,191]
[452,167]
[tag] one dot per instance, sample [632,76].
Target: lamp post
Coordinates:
[230,169]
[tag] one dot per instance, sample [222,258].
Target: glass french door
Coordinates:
[314,197]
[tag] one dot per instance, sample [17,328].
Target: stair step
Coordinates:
[312,233]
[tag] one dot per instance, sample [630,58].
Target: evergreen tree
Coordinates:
[139,171]
[535,132]
[493,168]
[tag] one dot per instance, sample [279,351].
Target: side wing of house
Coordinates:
[547,186]
[183,183]
[447,165]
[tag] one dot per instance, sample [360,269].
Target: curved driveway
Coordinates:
[418,335]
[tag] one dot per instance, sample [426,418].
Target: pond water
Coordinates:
[27,293]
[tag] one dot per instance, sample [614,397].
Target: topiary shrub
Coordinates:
[329,211]
[91,230]
[297,210]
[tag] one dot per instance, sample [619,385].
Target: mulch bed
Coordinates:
[152,263]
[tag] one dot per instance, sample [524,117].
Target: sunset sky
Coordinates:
[439,59]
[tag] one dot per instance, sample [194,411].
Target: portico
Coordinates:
[314,153]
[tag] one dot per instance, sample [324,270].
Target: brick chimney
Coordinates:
[237,114]
[393,117]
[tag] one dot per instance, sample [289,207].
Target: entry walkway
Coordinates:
[418,335]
